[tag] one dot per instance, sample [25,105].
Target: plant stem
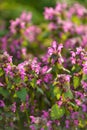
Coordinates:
[27,117]
[19,122]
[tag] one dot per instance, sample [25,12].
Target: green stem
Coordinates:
[19,122]
[27,117]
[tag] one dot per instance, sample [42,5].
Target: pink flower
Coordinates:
[74,115]
[67,122]
[78,102]
[14,24]
[2,104]
[45,114]
[47,78]
[76,122]
[21,70]
[31,33]
[32,119]
[49,13]
[26,16]
[1,85]
[55,48]
[13,107]
[84,107]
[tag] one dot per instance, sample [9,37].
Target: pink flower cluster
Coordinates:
[44,87]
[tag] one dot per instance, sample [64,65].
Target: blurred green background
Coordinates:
[10,9]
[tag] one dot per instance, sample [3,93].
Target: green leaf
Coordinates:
[76,68]
[9,85]
[40,90]
[51,91]
[46,128]
[1,118]
[33,82]
[84,77]
[76,20]
[64,36]
[17,80]
[57,92]
[76,81]
[4,92]
[1,72]
[57,112]
[9,128]
[68,94]
[25,43]
[22,94]
[73,105]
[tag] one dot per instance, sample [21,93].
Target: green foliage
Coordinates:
[22,94]
[33,82]
[1,72]
[76,81]
[57,112]
[76,20]
[4,92]
[68,94]
[17,80]
[76,68]
[39,90]
[1,118]
[84,77]
[57,92]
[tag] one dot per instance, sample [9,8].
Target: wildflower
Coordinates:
[2,104]
[49,13]
[84,107]
[36,66]
[13,107]
[22,107]
[78,102]
[32,127]
[26,17]
[76,122]
[67,122]
[55,49]
[21,70]
[31,33]
[1,85]
[47,78]
[13,25]
[85,68]
[45,114]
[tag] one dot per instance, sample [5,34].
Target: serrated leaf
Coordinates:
[57,112]
[15,95]
[57,92]
[76,68]
[33,82]
[17,80]
[84,77]
[76,81]
[4,92]
[22,94]
[68,94]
